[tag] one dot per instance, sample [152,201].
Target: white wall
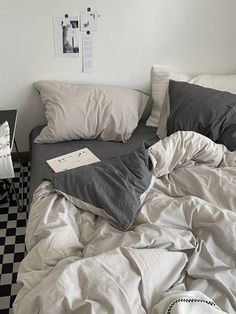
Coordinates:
[188,35]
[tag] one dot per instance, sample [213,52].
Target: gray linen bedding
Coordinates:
[103,150]
[178,257]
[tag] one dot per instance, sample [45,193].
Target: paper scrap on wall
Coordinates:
[88,21]
[87,52]
[66,36]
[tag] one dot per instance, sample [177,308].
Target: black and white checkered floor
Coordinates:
[12,243]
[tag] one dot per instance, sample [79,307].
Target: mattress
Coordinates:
[39,153]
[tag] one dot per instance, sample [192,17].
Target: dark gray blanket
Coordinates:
[115,185]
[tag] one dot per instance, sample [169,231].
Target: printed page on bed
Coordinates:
[72,160]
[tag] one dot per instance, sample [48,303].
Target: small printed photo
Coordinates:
[66,36]
[69,36]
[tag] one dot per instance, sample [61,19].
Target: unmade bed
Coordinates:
[151,228]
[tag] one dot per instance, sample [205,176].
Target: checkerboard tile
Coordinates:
[12,243]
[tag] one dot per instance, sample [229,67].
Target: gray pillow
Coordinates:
[203,110]
[76,111]
[114,188]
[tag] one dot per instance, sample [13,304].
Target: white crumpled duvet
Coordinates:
[179,256]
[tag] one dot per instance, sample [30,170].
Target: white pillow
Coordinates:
[160,83]
[76,111]
[220,82]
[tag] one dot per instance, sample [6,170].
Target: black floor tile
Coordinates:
[20,238]
[7,268]
[9,249]
[5,290]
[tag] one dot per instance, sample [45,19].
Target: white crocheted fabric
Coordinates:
[6,166]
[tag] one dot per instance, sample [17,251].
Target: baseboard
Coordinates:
[23,155]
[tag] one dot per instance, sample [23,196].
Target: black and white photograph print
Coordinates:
[66,36]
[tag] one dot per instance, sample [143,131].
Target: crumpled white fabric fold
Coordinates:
[6,166]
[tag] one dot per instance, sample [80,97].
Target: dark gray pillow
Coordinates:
[115,185]
[203,110]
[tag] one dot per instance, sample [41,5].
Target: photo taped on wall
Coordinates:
[66,36]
